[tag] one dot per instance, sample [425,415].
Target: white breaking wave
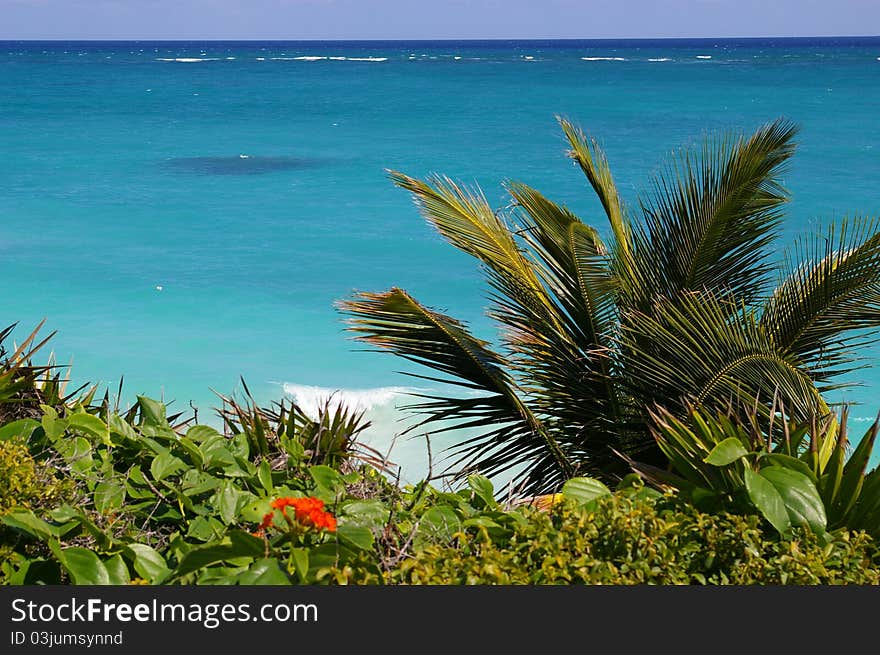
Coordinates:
[187,60]
[704,56]
[366,58]
[661,59]
[304,58]
[603,58]
[311,399]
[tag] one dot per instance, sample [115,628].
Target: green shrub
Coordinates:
[623,540]
[24,482]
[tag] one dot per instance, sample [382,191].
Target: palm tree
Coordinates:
[683,303]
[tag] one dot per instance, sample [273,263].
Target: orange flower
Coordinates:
[308,512]
[265,523]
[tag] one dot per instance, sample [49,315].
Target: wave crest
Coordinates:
[310,399]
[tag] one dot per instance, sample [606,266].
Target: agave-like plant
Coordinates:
[330,437]
[793,473]
[685,301]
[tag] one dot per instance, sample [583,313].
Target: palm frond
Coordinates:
[829,303]
[712,216]
[539,301]
[591,159]
[710,350]
[396,322]
[571,376]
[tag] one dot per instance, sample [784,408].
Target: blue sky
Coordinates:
[419,19]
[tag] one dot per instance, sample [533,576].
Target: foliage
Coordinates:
[677,306]
[621,539]
[24,482]
[329,438]
[168,506]
[792,473]
[24,386]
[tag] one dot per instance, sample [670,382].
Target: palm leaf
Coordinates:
[830,300]
[539,301]
[396,322]
[573,379]
[591,159]
[710,351]
[712,216]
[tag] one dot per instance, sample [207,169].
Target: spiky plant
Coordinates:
[684,302]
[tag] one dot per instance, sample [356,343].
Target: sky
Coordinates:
[434,19]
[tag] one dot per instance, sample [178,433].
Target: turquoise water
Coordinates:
[187,213]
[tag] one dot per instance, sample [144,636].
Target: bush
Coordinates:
[164,504]
[24,482]
[622,540]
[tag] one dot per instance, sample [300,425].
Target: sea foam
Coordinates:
[413,454]
[604,58]
[187,60]
[311,398]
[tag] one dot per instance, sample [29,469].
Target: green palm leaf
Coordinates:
[573,381]
[710,350]
[830,299]
[539,298]
[396,322]
[712,216]
[591,159]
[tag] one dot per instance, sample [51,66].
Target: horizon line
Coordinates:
[436,39]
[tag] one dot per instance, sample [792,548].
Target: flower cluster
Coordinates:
[308,512]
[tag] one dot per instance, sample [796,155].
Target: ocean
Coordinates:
[187,213]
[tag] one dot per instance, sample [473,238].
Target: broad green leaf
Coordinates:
[768,501]
[483,489]
[23,428]
[120,426]
[28,522]
[192,450]
[77,451]
[201,433]
[372,514]
[152,412]
[264,474]
[228,500]
[726,452]
[89,424]
[360,538]
[165,464]
[264,572]
[109,497]
[479,522]
[584,490]
[53,426]
[300,557]
[438,524]
[205,528]
[799,495]
[148,562]
[787,461]
[238,544]
[83,566]
[327,479]
[216,452]
[225,575]
[294,448]
[117,570]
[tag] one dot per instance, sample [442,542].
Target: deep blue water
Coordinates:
[247,180]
